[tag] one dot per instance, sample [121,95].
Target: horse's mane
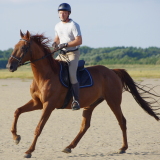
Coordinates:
[43,42]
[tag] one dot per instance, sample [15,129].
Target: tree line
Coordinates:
[120,55]
[107,55]
[4,55]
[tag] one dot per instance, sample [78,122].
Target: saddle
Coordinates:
[83,76]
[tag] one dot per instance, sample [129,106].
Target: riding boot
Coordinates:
[75,90]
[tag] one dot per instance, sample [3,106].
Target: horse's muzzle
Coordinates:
[12,66]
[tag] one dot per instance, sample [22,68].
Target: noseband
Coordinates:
[25,50]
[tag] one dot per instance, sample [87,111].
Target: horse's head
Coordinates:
[21,52]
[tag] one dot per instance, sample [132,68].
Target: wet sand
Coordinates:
[103,138]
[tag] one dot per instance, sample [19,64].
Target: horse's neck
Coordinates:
[41,68]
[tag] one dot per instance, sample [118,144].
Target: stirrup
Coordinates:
[75,107]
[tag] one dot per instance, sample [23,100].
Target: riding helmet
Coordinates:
[64,7]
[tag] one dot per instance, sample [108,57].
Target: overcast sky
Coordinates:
[103,23]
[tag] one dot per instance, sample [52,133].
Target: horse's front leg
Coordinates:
[30,106]
[86,118]
[47,110]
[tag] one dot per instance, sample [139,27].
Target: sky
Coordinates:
[103,23]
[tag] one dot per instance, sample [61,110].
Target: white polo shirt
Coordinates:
[67,32]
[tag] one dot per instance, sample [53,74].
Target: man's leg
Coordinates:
[75,103]
[74,57]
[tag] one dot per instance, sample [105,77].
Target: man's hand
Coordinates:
[54,45]
[63,45]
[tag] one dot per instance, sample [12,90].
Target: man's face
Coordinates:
[63,15]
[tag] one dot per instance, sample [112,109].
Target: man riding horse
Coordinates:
[68,36]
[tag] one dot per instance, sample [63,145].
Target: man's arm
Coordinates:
[56,39]
[76,42]
[55,43]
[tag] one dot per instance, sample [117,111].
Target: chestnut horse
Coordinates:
[48,93]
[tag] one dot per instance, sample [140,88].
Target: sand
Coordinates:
[99,143]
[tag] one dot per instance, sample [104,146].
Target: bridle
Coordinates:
[25,49]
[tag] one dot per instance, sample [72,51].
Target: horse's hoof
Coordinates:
[27,156]
[67,150]
[17,140]
[121,151]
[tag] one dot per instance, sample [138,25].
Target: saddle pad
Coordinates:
[83,76]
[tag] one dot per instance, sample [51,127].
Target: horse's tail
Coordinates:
[130,86]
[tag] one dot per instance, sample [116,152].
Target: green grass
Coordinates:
[23,72]
[136,71]
[140,71]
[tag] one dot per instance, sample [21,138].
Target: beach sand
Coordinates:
[103,138]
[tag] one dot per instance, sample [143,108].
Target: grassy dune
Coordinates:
[136,71]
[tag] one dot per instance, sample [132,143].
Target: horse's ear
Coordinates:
[28,35]
[21,34]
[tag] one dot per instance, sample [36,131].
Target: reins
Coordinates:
[26,48]
[66,58]
[43,57]
[63,53]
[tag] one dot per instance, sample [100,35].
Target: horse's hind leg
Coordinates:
[30,106]
[122,122]
[86,117]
